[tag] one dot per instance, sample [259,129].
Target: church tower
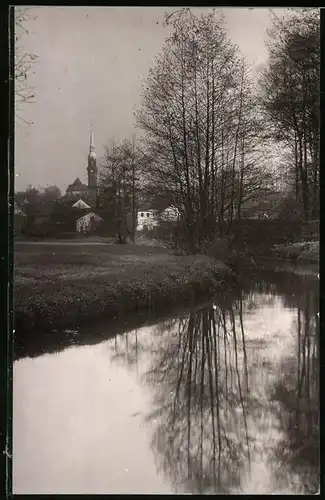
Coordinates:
[92,164]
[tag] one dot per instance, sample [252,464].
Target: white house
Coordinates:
[88,223]
[150,217]
[147,219]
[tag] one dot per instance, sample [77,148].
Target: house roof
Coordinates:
[77,185]
[91,215]
[155,203]
[80,204]
[147,208]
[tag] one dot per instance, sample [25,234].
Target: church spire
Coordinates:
[91,142]
[92,166]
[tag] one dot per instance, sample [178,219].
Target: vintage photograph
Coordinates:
[166,250]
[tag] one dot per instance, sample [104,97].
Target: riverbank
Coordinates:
[301,252]
[284,279]
[63,286]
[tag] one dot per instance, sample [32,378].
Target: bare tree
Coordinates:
[119,185]
[24,92]
[298,395]
[196,106]
[291,94]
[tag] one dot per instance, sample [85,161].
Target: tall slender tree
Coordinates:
[119,185]
[291,92]
[199,125]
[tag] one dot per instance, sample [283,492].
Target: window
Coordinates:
[148,215]
[141,214]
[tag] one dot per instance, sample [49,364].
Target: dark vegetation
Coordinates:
[57,286]
[249,238]
[300,252]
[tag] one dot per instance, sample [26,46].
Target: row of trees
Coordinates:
[43,196]
[119,185]
[200,120]
[209,129]
[291,100]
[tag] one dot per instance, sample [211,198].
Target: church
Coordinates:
[79,191]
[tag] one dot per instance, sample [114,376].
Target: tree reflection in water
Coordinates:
[202,385]
[217,404]
[297,390]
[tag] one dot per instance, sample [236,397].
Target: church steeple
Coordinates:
[91,143]
[92,159]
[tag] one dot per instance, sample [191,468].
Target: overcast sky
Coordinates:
[90,64]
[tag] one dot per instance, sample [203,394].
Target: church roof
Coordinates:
[77,185]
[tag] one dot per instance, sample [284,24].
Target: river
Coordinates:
[221,399]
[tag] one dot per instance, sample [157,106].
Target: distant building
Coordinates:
[81,205]
[77,188]
[153,212]
[88,223]
[88,193]
[147,219]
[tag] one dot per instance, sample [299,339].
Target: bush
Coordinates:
[69,297]
[218,249]
[291,210]
[304,251]
[168,234]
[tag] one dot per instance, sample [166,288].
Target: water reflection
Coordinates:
[226,395]
[236,393]
[297,390]
[201,402]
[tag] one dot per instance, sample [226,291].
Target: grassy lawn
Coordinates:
[59,286]
[43,262]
